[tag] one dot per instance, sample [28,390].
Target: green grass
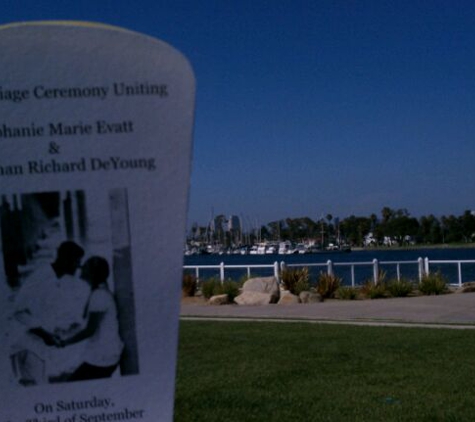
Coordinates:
[256,371]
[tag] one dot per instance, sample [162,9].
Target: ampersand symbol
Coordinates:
[53,148]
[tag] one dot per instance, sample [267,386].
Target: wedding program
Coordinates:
[96,135]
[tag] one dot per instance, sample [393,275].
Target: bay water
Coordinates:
[362,259]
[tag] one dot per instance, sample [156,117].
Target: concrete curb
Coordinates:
[332,322]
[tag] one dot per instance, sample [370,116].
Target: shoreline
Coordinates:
[415,247]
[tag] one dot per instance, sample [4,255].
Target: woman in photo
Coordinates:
[101,332]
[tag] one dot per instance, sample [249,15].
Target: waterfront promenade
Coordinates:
[456,310]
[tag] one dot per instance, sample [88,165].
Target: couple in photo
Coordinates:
[66,323]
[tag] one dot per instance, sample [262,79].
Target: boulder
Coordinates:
[267,285]
[218,300]
[254,298]
[468,287]
[261,284]
[310,297]
[287,298]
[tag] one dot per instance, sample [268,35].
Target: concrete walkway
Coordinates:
[445,311]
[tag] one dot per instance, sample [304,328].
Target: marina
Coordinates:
[264,248]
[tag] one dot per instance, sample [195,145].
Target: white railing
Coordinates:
[375,264]
[222,267]
[422,266]
[458,263]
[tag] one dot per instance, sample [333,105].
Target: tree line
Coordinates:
[392,226]
[395,226]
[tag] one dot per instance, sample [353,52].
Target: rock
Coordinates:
[267,285]
[254,298]
[261,284]
[468,287]
[310,297]
[219,300]
[288,298]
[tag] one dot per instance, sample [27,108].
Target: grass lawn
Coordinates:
[259,371]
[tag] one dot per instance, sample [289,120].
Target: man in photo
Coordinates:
[51,303]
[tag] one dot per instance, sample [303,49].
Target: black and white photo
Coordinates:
[58,255]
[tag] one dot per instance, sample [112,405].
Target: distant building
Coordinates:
[235,229]
[234,223]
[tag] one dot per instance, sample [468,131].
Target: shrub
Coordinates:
[231,288]
[374,290]
[399,288]
[327,285]
[213,287]
[347,293]
[188,286]
[296,280]
[433,283]
[302,285]
[209,286]
[382,277]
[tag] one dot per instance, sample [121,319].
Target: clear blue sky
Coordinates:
[309,107]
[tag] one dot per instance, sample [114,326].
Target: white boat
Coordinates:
[271,249]
[284,247]
[253,250]
[301,248]
[261,249]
